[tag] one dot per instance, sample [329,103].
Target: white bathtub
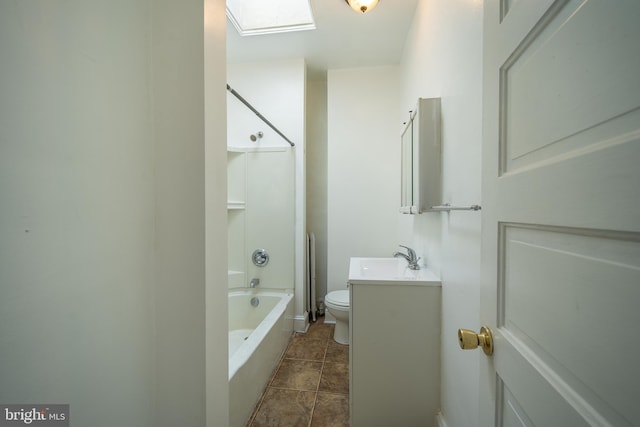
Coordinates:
[257,338]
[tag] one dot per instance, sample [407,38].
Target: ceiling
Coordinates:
[342,38]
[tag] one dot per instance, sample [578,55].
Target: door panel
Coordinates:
[561,212]
[559,90]
[558,300]
[511,413]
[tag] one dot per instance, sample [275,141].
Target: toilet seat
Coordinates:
[338,298]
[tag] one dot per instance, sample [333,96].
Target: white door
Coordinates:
[561,213]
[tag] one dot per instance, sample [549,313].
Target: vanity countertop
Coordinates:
[388,271]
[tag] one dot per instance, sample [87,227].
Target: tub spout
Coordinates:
[254,282]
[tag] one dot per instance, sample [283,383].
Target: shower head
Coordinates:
[256,136]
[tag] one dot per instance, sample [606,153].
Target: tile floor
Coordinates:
[310,386]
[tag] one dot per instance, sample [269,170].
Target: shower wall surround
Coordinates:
[260,216]
[277,89]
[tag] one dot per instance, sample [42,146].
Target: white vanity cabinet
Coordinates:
[394,352]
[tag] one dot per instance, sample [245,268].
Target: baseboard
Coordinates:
[301,322]
[440,420]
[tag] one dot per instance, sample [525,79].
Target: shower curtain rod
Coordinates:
[263,118]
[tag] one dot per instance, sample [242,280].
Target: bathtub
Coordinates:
[258,335]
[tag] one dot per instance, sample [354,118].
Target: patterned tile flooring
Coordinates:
[310,386]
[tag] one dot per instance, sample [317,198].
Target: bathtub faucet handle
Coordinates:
[254,282]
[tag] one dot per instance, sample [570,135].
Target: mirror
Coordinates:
[421,181]
[406,198]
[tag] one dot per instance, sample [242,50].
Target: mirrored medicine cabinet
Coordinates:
[421,173]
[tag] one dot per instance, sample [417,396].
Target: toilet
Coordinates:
[337,302]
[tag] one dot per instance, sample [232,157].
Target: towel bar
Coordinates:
[447,207]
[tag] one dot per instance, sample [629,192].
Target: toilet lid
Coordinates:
[340,298]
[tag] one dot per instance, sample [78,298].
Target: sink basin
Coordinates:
[387,271]
[382,267]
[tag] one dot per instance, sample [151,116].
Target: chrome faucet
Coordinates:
[410,257]
[254,282]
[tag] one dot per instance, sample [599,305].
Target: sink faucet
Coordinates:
[254,282]
[411,257]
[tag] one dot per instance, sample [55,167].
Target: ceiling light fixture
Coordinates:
[362,5]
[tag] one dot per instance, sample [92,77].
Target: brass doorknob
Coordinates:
[469,340]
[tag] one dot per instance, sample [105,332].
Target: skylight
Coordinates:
[252,17]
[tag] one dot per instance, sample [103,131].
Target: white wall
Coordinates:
[190,202]
[317,177]
[215,131]
[77,228]
[277,90]
[363,160]
[443,58]
[102,221]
